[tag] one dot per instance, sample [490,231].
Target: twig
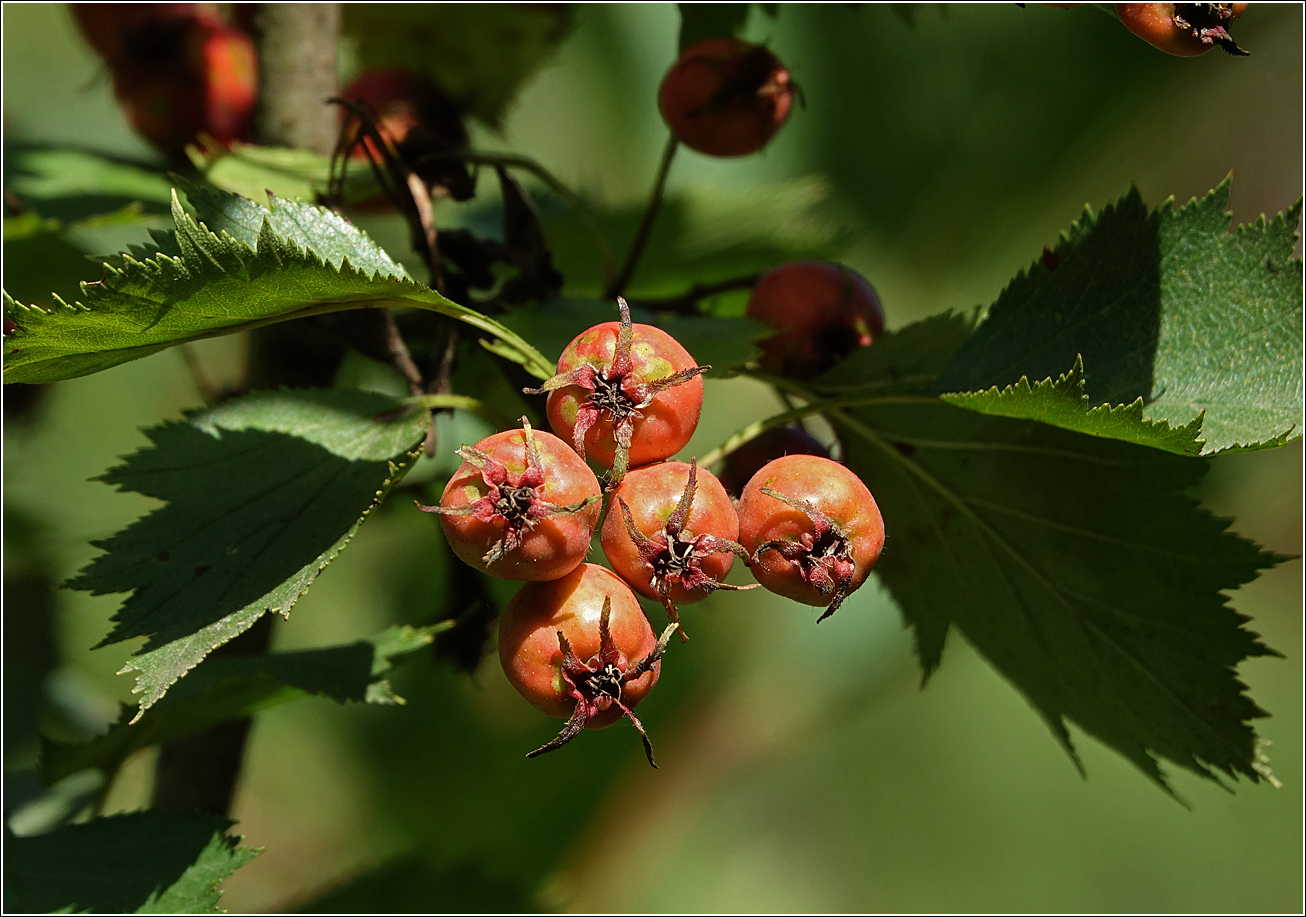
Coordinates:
[516,161]
[687,303]
[618,286]
[400,356]
[208,391]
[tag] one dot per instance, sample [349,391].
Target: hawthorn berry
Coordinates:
[625,395]
[120,32]
[671,534]
[200,76]
[521,506]
[394,94]
[580,648]
[1183,29]
[726,97]
[822,312]
[812,529]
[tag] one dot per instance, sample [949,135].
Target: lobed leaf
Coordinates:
[230,687]
[1077,566]
[261,494]
[1167,306]
[238,266]
[147,862]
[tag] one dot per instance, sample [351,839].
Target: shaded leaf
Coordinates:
[225,688]
[412,885]
[1063,403]
[70,185]
[261,494]
[29,639]
[1166,306]
[480,55]
[258,265]
[255,171]
[140,863]
[701,21]
[1077,566]
[907,359]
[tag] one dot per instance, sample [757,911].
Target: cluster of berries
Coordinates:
[524,505]
[178,69]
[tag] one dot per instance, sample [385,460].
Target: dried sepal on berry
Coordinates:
[673,557]
[825,554]
[1183,29]
[616,396]
[513,503]
[596,685]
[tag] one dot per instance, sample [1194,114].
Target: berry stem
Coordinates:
[687,303]
[618,286]
[572,200]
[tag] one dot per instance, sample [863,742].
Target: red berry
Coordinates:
[725,97]
[822,311]
[747,460]
[206,83]
[397,98]
[812,528]
[521,506]
[580,648]
[121,32]
[671,533]
[1183,29]
[625,395]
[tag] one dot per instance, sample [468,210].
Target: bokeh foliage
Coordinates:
[968,159]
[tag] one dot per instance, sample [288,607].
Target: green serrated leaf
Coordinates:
[1166,306]
[701,21]
[262,493]
[225,688]
[1062,403]
[259,265]
[479,55]
[147,862]
[1077,566]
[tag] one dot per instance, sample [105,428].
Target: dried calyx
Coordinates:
[514,501]
[616,395]
[597,684]
[824,555]
[675,556]
[1207,22]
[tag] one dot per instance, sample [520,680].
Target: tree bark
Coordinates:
[297,73]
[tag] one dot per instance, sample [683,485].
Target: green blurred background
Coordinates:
[802,767]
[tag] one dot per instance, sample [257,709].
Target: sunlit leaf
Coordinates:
[241,265]
[1166,306]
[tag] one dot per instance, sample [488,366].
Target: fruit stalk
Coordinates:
[618,286]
